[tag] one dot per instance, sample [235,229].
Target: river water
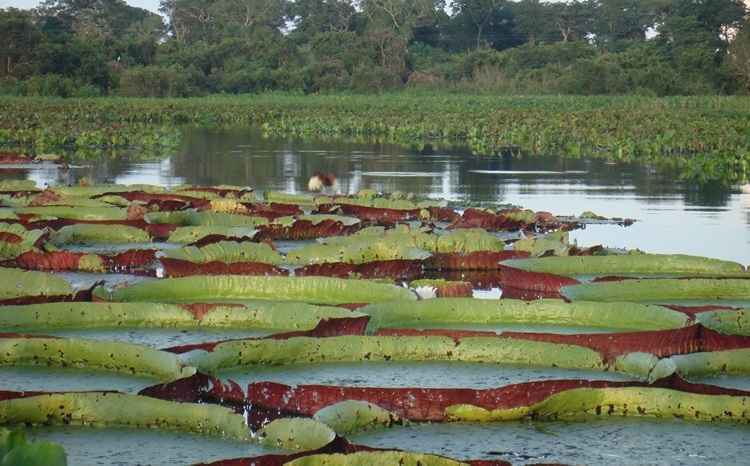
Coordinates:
[673,217]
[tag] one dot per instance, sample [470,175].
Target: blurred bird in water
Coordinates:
[323,182]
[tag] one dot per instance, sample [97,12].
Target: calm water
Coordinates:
[674,217]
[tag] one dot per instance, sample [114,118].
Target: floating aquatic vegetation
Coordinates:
[225,191]
[119,410]
[125,358]
[306,229]
[226,276]
[625,316]
[162,201]
[552,244]
[661,289]
[83,233]
[193,234]
[442,288]
[227,252]
[320,290]
[377,215]
[540,400]
[176,268]
[339,452]
[155,231]
[258,314]
[632,264]
[16,240]
[365,246]
[136,261]
[354,348]
[477,260]
[74,213]
[727,321]
[396,269]
[16,283]
[204,218]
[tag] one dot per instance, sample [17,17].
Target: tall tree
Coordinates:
[312,17]
[617,20]
[573,20]
[535,20]
[400,16]
[739,55]
[491,21]
[19,37]
[718,17]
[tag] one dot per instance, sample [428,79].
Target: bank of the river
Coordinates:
[707,138]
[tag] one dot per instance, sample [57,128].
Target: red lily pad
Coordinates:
[183,268]
[305,230]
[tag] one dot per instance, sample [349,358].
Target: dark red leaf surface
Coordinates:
[132,261]
[444,214]
[454,290]
[273,210]
[371,215]
[476,218]
[217,238]
[479,260]
[10,237]
[661,343]
[11,158]
[157,231]
[397,269]
[429,404]
[183,268]
[55,261]
[304,230]
[164,202]
[325,328]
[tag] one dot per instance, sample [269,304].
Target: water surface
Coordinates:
[675,217]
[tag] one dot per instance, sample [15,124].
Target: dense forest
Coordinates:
[198,47]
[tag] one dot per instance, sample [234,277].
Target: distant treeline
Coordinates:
[105,47]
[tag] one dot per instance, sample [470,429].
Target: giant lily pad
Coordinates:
[16,283]
[661,289]
[322,290]
[226,251]
[632,264]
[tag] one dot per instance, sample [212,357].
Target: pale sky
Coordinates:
[152,5]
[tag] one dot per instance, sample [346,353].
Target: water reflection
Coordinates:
[708,220]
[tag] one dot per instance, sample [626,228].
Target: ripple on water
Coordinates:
[408,374]
[607,441]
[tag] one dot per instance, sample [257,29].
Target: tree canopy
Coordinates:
[97,47]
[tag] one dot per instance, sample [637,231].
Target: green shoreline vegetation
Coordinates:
[705,138]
